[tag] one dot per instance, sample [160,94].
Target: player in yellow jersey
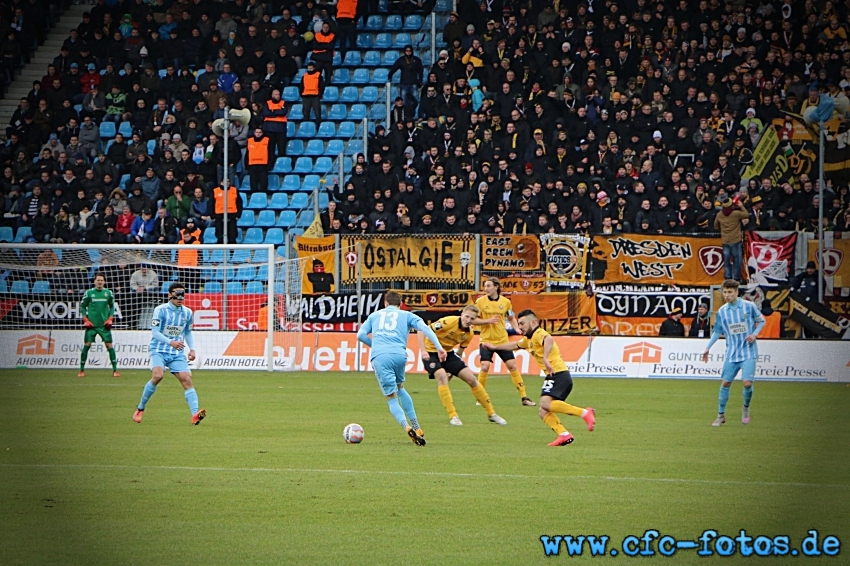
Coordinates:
[495,309]
[558,382]
[454,334]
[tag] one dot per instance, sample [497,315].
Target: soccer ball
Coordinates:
[353,433]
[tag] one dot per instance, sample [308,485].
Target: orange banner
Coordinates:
[520,284]
[510,253]
[560,313]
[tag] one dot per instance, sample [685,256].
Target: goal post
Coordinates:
[246,300]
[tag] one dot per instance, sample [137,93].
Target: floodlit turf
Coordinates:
[267,478]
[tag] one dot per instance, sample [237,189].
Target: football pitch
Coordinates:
[268,479]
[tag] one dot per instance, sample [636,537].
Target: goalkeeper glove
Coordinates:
[87,323]
[108,323]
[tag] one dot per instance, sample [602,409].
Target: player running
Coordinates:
[172,333]
[741,322]
[455,332]
[558,383]
[389,328]
[495,309]
[98,308]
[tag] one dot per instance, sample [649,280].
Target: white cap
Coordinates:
[656,134]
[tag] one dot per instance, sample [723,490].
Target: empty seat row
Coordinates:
[314,148]
[283,166]
[392,23]
[23,287]
[278,201]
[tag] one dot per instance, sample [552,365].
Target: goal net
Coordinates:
[246,301]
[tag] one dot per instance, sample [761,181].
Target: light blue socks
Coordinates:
[192,399]
[397,411]
[149,390]
[748,394]
[722,399]
[406,402]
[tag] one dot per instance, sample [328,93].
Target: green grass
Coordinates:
[267,478]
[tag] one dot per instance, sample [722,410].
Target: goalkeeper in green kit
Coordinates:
[97,308]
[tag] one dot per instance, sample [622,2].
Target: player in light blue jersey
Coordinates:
[172,334]
[390,328]
[740,322]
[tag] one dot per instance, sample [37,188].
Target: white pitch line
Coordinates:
[426,474]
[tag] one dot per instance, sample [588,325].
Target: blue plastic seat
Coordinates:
[384,41]
[306,130]
[266,218]
[393,23]
[209,236]
[315,148]
[352,59]
[354,147]
[402,39]
[107,130]
[323,164]
[346,130]
[151,146]
[341,76]
[305,219]
[246,219]
[23,233]
[299,201]
[335,147]
[294,148]
[253,236]
[303,165]
[338,112]
[292,232]
[258,201]
[357,112]
[4,287]
[6,234]
[378,112]
[390,57]
[413,23]
[372,59]
[296,112]
[282,165]
[298,76]
[291,129]
[245,273]
[311,182]
[291,183]
[41,287]
[235,288]
[274,236]
[274,183]
[291,94]
[443,6]
[254,288]
[331,94]
[246,183]
[212,287]
[328,129]
[324,199]
[164,287]
[374,23]
[126,130]
[241,256]
[360,76]
[369,94]
[364,41]
[262,269]
[244,200]
[380,76]
[349,94]
[279,201]
[78,108]
[286,219]
[22,287]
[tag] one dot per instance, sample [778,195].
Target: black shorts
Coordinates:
[487,355]
[558,385]
[453,364]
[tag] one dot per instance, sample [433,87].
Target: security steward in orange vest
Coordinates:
[187,259]
[346,26]
[312,89]
[274,121]
[323,51]
[234,209]
[259,156]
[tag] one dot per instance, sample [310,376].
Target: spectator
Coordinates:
[673,325]
[701,325]
[806,283]
[730,223]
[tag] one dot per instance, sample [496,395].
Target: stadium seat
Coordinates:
[274,182]
[254,287]
[374,23]
[107,130]
[393,23]
[246,183]
[246,219]
[282,165]
[311,182]
[6,234]
[126,130]
[357,112]
[41,287]
[294,148]
[4,287]
[383,41]
[364,41]
[303,165]
[331,94]
[244,200]
[380,76]
[23,233]
[360,76]
[337,113]
[164,287]
[151,146]
[209,236]
[335,147]
[347,164]
[305,219]
[443,6]
[291,94]
[253,236]
[22,287]
[279,201]
[413,23]
[266,218]
[274,236]
[214,256]
[306,130]
[352,59]
[125,181]
[378,112]
[291,129]
[78,108]
[372,59]
[241,256]
[341,76]
[324,199]
[328,129]
[315,147]
[299,201]
[291,183]
[354,147]
[369,94]
[346,130]
[390,57]
[292,232]
[324,164]
[258,201]
[349,95]
[402,39]
[286,219]
[235,288]
[212,287]
[245,273]
[296,112]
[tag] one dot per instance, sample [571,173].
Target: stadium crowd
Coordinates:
[597,117]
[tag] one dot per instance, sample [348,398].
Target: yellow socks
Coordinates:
[565,408]
[446,397]
[516,377]
[482,377]
[481,394]
[554,423]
